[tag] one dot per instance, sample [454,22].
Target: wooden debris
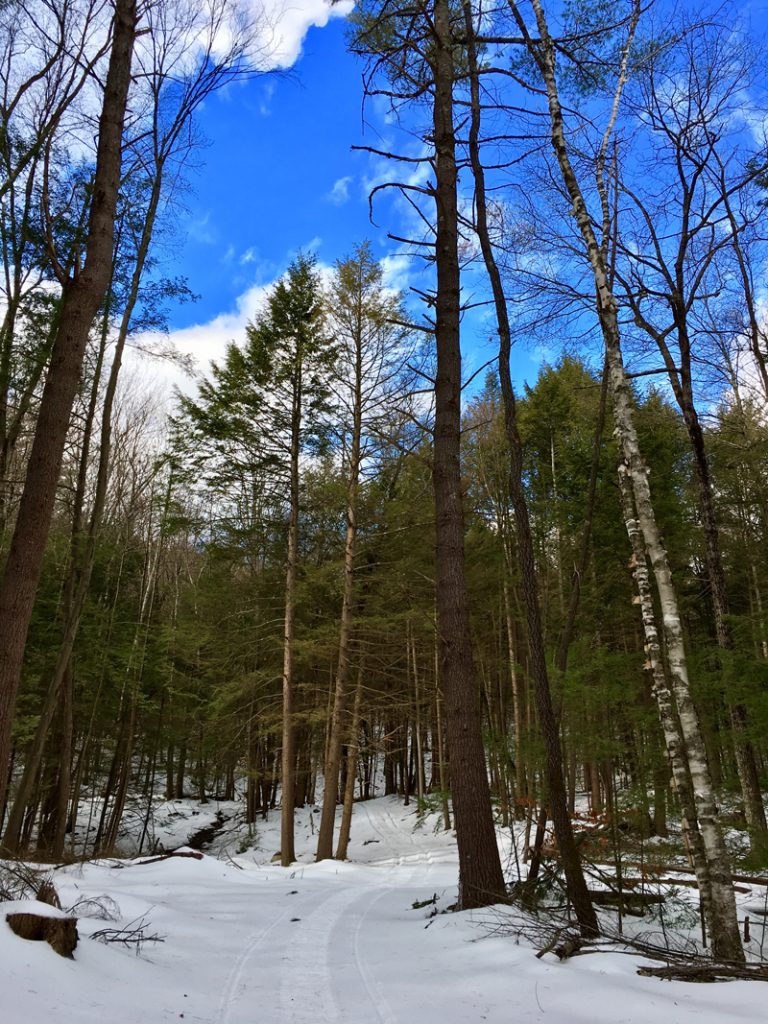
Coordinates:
[691,883]
[654,873]
[707,972]
[571,943]
[630,902]
[46,893]
[173,853]
[59,932]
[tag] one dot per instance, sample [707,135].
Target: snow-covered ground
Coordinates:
[248,942]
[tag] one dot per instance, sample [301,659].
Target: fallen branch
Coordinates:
[707,972]
[133,934]
[668,869]
[166,856]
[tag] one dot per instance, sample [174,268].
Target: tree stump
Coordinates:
[42,923]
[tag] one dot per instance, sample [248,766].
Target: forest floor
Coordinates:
[245,941]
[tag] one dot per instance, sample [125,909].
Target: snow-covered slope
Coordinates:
[249,942]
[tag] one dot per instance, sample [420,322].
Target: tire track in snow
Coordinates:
[310,979]
[391,834]
[232,986]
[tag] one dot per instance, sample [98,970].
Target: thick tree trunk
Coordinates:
[75,593]
[82,296]
[480,877]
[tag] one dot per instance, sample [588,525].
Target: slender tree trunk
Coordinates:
[82,296]
[441,756]
[577,886]
[745,755]
[288,773]
[726,939]
[335,739]
[353,746]
[419,752]
[521,782]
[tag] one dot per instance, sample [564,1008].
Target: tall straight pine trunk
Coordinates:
[480,877]
[340,698]
[288,764]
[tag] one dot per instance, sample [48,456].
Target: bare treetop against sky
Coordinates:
[280,174]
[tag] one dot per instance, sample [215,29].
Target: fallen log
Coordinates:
[691,883]
[668,869]
[707,972]
[632,903]
[167,856]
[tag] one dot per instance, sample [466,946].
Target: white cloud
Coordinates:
[200,342]
[397,271]
[339,194]
[268,91]
[282,26]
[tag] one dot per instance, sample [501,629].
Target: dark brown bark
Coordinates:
[82,295]
[75,592]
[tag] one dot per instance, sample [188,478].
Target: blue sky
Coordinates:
[277,174]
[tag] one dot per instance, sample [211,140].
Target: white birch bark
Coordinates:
[716,880]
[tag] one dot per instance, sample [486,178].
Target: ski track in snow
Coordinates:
[235,986]
[324,977]
[338,943]
[309,983]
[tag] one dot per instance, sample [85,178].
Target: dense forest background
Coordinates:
[243,598]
